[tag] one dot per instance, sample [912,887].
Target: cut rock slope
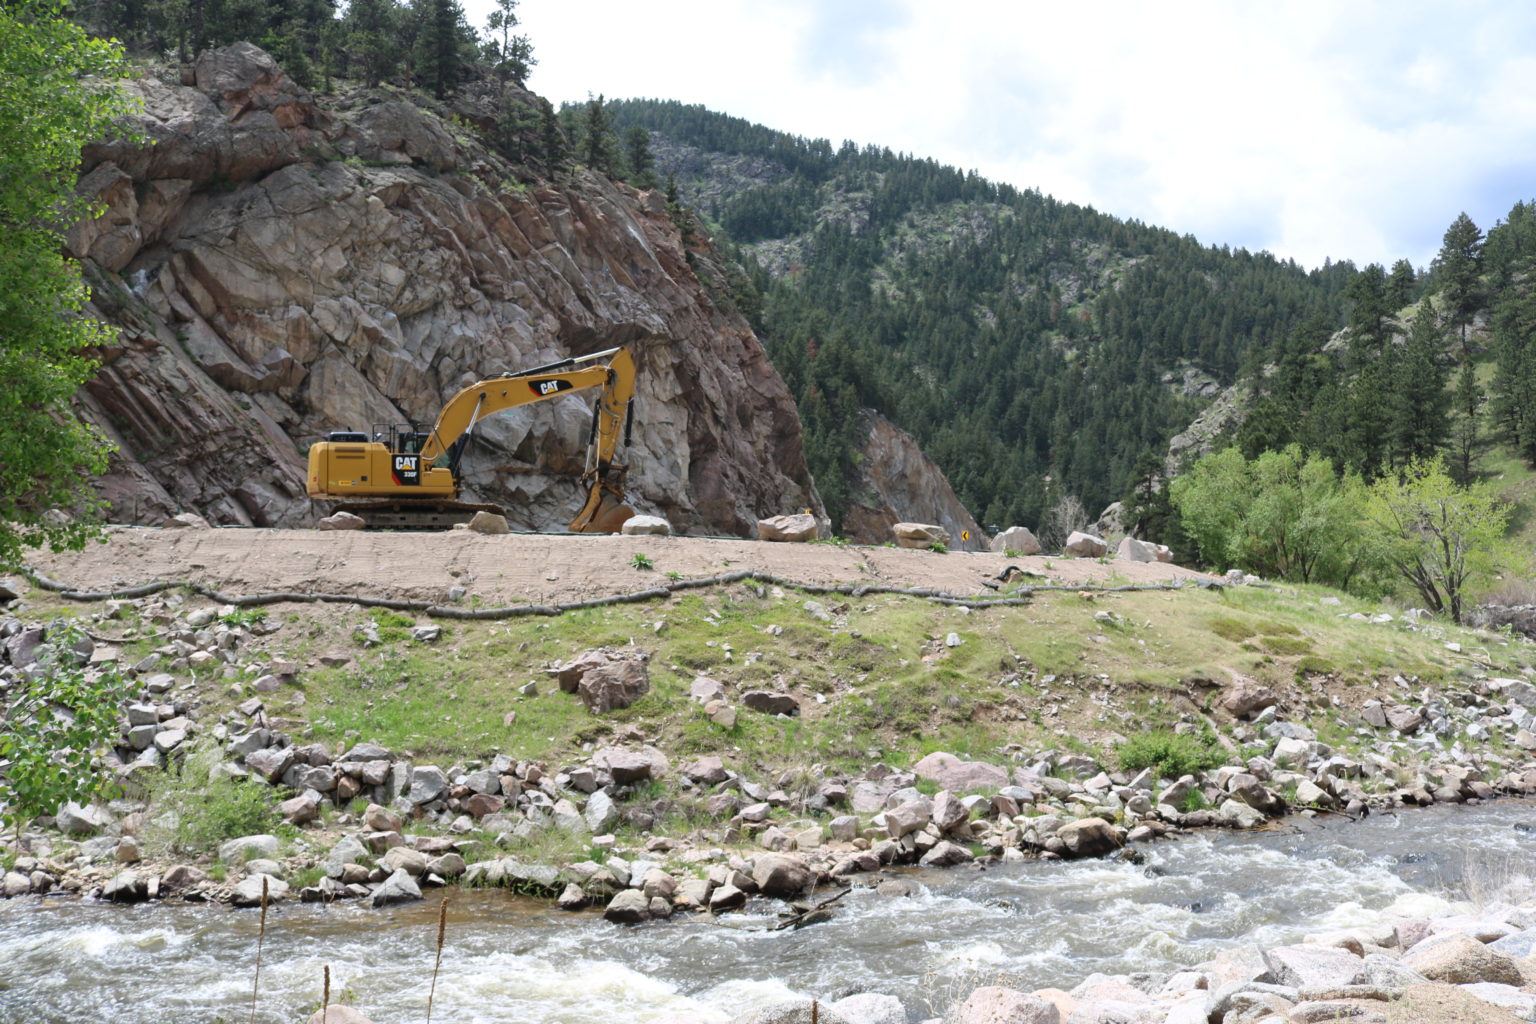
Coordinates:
[279,270]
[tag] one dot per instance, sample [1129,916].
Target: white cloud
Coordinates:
[1312,129]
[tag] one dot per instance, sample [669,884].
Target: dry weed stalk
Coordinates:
[261,937]
[442,928]
[325,995]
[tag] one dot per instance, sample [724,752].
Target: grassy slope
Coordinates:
[1071,671]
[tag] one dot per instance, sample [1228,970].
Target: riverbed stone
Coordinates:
[1461,960]
[1088,837]
[628,906]
[1314,966]
[946,854]
[993,1004]
[247,891]
[781,874]
[335,1013]
[951,773]
[870,1008]
[798,1011]
[399,887]
[127,886]
[238,851]
[908,817]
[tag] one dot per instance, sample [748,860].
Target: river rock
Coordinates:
[797,1011]
[247,892]
[428,782]
[74,820]
[1085,545]
[1313,966]
[629,906]
[870,1008]
[1088,837]
[403,858]
[1240,814]
[781,874]
[399,887]
[337,1014]
[237,851]
[908,817]
[794,529]
[1017,539]
[948,811]
[1133,550]
[993,1004]
[600,814]
[127,886]
[958,776]
[1461,960]
[945,854]
[16,884]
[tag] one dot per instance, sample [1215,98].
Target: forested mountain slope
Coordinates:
[1035,348]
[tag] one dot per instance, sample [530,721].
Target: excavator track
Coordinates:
[414,514]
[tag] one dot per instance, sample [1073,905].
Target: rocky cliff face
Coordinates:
[279,270]
[898,483]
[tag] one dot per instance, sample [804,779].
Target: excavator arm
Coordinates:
[604,510]
[350,467]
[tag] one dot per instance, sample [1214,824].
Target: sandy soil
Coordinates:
[526,567]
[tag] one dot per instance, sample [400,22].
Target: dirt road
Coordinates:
[524,567]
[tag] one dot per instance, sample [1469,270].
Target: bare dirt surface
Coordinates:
[536,568]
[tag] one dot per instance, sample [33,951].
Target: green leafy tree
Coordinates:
[56,720]
[1440,538]
[1457,272]
[61,92]
[1284,514]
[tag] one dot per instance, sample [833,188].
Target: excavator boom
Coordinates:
[412,477]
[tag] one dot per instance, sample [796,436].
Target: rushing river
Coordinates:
[515,961]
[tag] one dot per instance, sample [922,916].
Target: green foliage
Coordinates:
[510,55]
[641,561]
[1281,515]
[61,92]
[394,627]
[194,812]
[1022,340]
[55,722]
[1440,538]
[1171,754]
[938,548]
[244,617]
[1458,271]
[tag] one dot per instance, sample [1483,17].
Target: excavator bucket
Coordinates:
[603,513]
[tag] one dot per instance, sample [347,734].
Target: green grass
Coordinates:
[1172,754]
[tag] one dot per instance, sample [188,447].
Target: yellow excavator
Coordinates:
[405,478]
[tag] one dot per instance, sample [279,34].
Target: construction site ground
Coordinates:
[533,568]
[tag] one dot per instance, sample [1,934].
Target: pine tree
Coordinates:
[1466,436]
[637,143]
[1456,273]
[597,147]
[370,33]
[511,55]
[1514,379]
[1400,285]
[438,42]
[1368,316]
[1420,405]
[552,139]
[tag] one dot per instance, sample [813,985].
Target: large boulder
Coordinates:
[1018,539]
[1461,960]
[1085,545]
[797,528]
[993,1004]
[608,683]
[797,1011]
[1089,837]
[781,874]
[628,906]
[341,521]
[626,766]
[1314,966]
[958,776]
[919,535]
[399,887]
[488,523]
[646,526]
[770,703]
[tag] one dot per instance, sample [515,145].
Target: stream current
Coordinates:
[509,960]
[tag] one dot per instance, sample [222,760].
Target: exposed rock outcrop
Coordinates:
[279,270]
[898,483]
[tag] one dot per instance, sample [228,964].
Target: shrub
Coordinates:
[1172,754]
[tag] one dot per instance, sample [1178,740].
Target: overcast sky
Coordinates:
[1319,129]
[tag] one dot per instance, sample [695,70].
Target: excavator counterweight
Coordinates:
[404,478]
